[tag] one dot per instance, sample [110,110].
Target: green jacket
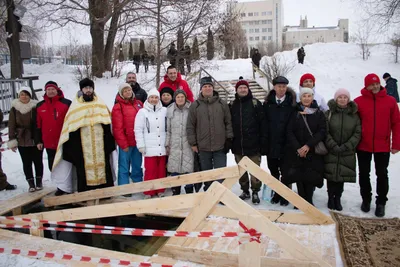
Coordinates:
[344,132]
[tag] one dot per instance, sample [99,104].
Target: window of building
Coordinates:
[256,30]
[251,38]
[264,29]
[263,22]
[269,29]
[243,15]
[269,38]
[257,38]
[251,22]
[250,14]
[244,30]
[264,38]
[257,22]
[251,30]
[255,14]
[269,21]
[264,13]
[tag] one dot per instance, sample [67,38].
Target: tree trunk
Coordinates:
[97,11]
[112,32]
[158,52]
[13,42]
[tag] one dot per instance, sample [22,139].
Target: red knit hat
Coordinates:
[370,79]
[241,82]
[306,77]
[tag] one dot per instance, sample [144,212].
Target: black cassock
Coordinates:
[72,152]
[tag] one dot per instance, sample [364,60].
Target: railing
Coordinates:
[262,73]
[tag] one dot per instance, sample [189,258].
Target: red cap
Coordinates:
[307,76]
[241,82]
[370,79]
[51,86]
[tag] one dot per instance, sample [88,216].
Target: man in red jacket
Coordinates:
[380,118]
[50,119]
[173,79]
[123,122]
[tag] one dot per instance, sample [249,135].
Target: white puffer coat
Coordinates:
[150,129]
[180,159]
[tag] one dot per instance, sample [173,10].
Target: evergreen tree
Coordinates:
[141,47]
[210,45]
[130,51]
[121,54]
[195,49]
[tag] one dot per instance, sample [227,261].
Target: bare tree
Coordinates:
[363,38]
[395,41]
[277,65]
[384,13]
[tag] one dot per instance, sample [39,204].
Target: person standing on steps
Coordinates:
[138,92]
[173,80]
[247,118]
[279,105]
[50,114]
[21,129]
[256,58]
[391,86]
[123,123]
[150,133]
[343,136]
[380,121]
[4,185]
[209,128]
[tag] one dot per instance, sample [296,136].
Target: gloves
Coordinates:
[142,150]
[228,145]
[339,149]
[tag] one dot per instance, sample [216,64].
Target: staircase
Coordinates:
[258,92]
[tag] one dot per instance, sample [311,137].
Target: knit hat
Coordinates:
[51,84]
[153,92]
[241,82]
[26,90]
[386,75]
[306,77]
[167,90]
[86,82]
[122,87]
[180,91]
[340,92]
[206,80]
[305,90]
[280,80]
[370,79]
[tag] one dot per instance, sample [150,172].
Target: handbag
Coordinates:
[320,148]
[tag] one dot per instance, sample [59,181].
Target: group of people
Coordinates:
[304,138]
[145,58]
[179,58]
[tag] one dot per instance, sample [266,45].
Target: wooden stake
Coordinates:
[249,255]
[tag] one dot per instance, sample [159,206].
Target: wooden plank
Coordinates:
[249,255]
[24,199]
[285,192]
[36,232]
[223,259]
[253,219]
[205,176]
[17,211]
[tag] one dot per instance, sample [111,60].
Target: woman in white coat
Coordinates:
[180,158]
[150,133]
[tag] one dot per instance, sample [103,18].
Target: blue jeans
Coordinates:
[129,160]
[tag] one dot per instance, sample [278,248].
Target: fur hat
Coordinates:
[307,76]
[340,92]
[180,91]
[86,82]
[122,87]
[370,79]
[51,84]
[26,90]
[241,82]
[153,92]
[167,90]
[280,80]
[305,90]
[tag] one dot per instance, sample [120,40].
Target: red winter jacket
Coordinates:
[50,119]
[123,120]
[380,117]
[177,84]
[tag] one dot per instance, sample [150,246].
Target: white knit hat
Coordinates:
[153,92]
[306,90]
[24,88]
[122,87]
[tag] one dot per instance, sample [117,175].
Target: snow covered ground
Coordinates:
[335,65]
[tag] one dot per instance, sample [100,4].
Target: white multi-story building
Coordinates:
[262,21]
[297,36]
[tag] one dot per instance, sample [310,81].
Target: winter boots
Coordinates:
[255,199]
[366,206]
[245,195]
[39,184]
[338,204]
[380,210]
[31,183]
[10,187]
[276,198]
[176,190]
[331,201]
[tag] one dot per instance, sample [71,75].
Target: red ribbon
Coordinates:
[255,236]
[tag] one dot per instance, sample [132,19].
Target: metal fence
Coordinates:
[4,59]
[8,92]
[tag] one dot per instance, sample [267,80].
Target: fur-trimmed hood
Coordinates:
[24,108]
[289,93]
[351,106]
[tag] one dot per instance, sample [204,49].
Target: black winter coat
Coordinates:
[275,123]
[256,58]
[308,170]
[391,88]
[247,116]
[140,94]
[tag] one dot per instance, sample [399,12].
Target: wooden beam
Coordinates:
[285,192]
[36,232]
[21,200]
[205,176]
[249,255]
[251,218]
[224,259]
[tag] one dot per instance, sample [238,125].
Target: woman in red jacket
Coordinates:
[380,119]
[123,121]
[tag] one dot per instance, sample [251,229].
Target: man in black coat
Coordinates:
[146,60]
[140,94]
[247,116]
[301,54]
[136,61]
[172,54]
[279,105]
[391,86]
[256,58]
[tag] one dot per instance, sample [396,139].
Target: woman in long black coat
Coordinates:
[301,164]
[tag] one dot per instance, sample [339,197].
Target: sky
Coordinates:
[319,13]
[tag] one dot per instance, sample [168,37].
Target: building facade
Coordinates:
[262,21]
[297,36]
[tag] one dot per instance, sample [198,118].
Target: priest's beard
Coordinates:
[88,98]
